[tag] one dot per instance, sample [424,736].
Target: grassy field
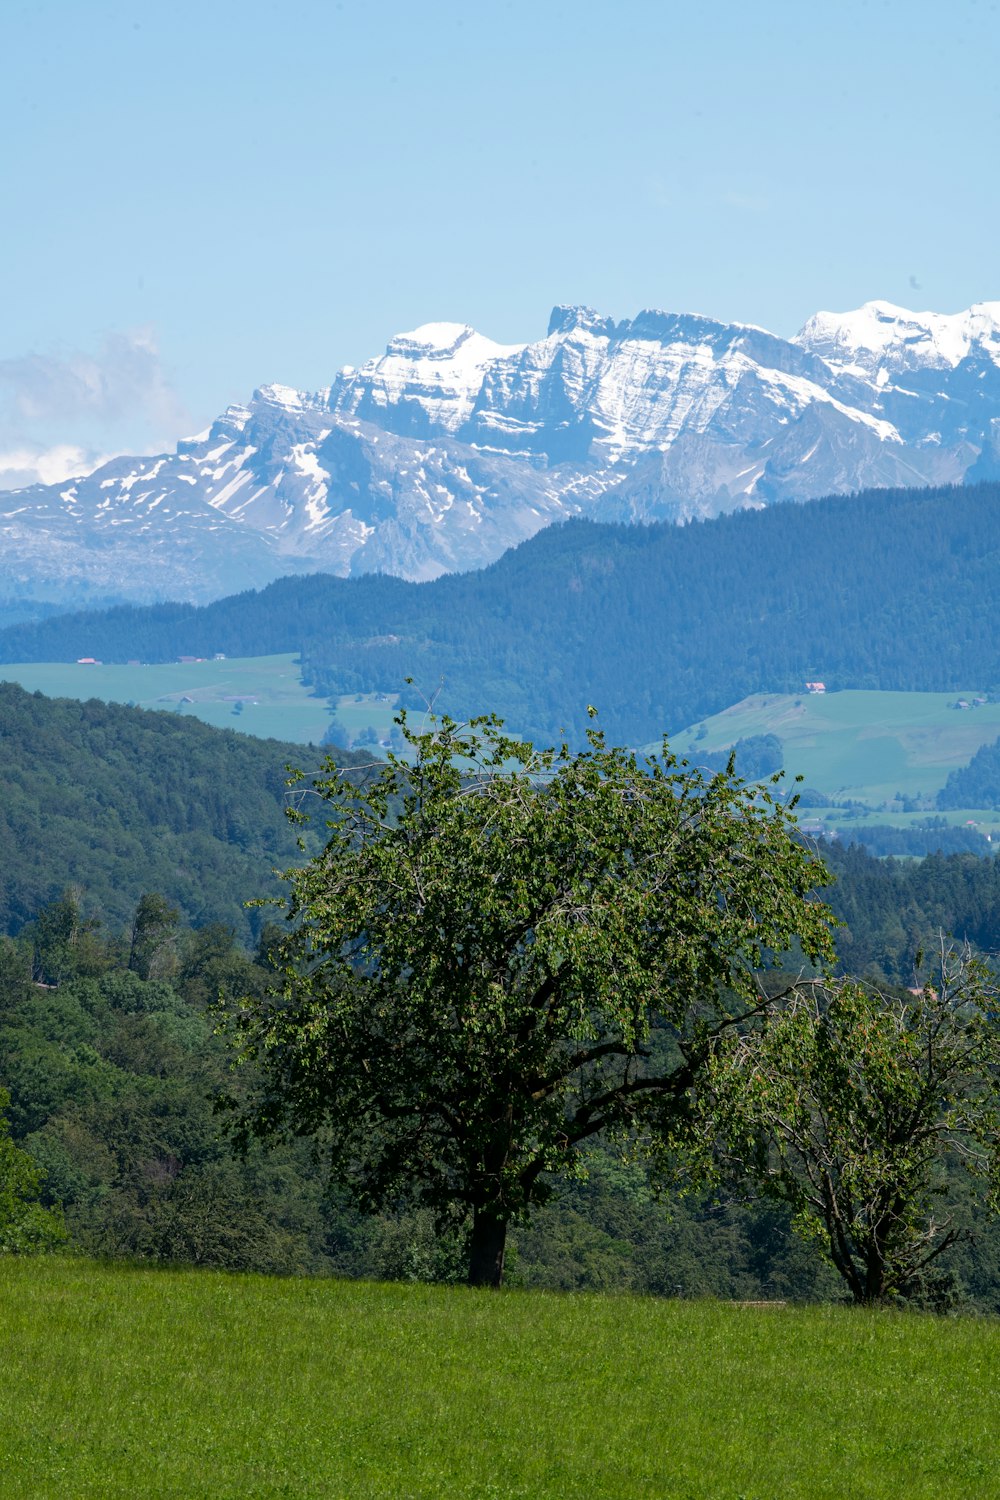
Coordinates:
[358,711]
[194,1384]
[273,701]
[856,745]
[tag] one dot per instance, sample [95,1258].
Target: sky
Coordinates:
[204,197]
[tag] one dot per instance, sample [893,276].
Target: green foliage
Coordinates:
[850,1105]
[608,1231]
[113,802]
[532,953]
[151,942]
[26,1228]
[111,1078]
[977,784]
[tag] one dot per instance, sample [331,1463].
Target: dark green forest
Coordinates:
[893,908]
[659,625]
[119,800]
[974,785]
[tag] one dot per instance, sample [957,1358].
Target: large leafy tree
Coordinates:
[504,951]
[859,1108]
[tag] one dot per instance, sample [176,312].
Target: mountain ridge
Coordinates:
[443,452]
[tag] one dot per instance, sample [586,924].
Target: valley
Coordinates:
[259,695]
[879,758]
[263,696]
[413,1086]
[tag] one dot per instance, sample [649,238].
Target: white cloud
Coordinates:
[21,466]
[119,398]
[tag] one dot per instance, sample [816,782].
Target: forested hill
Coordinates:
[659,626]
[978,782]
[117,801]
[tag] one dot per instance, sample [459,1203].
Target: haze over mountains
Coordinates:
[449,449]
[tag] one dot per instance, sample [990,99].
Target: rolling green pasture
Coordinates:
[194,1384]
[863,746]
[358,711]
[276,704]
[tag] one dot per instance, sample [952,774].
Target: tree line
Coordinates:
[661,625]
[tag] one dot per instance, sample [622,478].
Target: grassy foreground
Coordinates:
[142,1383]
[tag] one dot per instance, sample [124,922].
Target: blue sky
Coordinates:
[204,197]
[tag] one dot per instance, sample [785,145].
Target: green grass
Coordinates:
[358,711]
[276,703]
[133,1383]
[865,746]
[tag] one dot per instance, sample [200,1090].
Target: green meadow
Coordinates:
[123,1382]
[259,695]
[862,746]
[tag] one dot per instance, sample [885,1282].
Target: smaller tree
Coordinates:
[153,938]
[336,733]
[857,1108]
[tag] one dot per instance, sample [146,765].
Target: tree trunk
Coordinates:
[486,1249]
[875,1268]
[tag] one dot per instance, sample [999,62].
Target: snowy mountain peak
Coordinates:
[431,340]
[449,448]
[229,426]
[881,336]
[289,399]
[426,381]
[567,319]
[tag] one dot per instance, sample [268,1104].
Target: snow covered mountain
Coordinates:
[449,448]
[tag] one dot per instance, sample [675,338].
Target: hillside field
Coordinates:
[860,746]
[274,701]
[126,1382]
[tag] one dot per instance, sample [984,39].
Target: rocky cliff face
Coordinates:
[449,448]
